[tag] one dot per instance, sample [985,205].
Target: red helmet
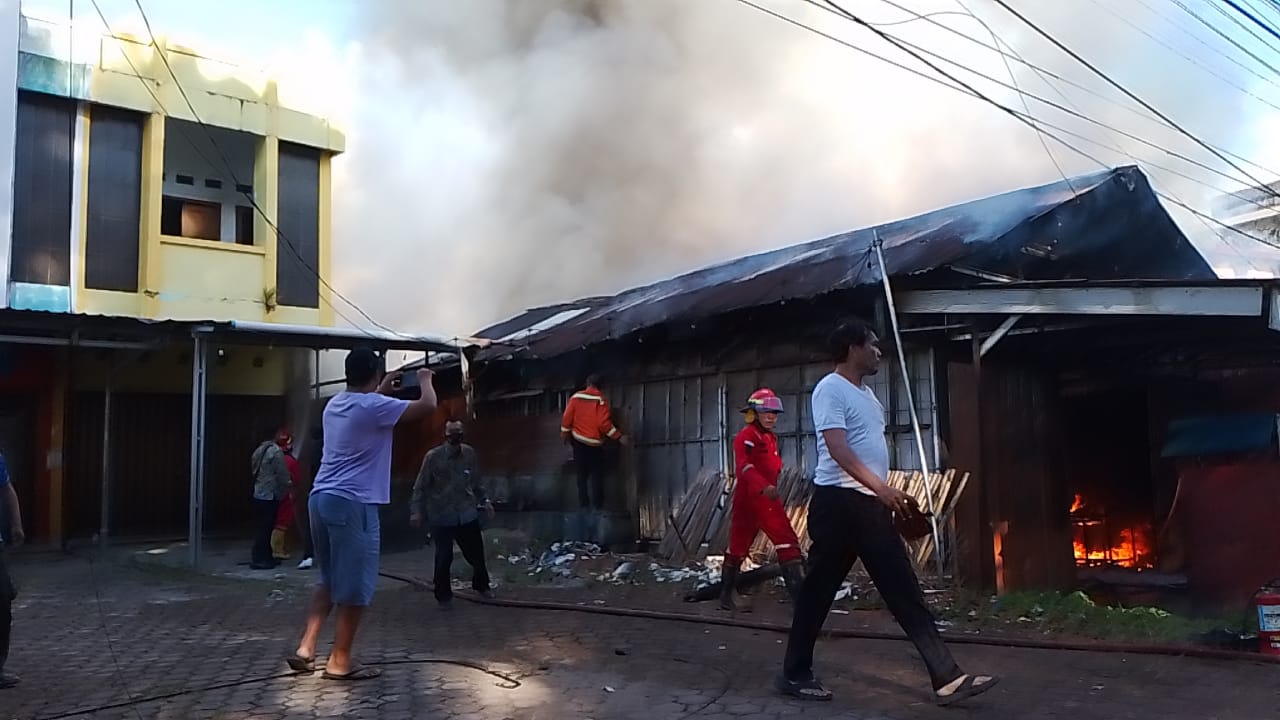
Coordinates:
[764,400]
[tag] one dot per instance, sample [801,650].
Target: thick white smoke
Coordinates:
[508,153]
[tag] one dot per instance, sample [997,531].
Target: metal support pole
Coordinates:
[104,522]
[468,383]
[316,382]
[199,385]
[911,405]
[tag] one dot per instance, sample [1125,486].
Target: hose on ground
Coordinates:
[508,682]
[850,633]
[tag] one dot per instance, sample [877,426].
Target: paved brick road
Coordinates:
[175,636]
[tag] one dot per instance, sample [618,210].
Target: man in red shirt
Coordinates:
[756,505]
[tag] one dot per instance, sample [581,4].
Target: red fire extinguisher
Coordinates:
[1267,600]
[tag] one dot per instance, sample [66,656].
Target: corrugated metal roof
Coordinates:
[55,324]
[1104,226]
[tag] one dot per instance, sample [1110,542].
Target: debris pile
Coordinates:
[559,559]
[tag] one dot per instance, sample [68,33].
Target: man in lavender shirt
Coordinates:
[354,479]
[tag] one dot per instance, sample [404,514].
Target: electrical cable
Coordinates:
[1259,184]
[1230,40]
[1268,28]
[965,89]
[164,59]
[146,84]
[1068,111]
[1225,12]
[1043,72]
[1117,147]
[1022,96]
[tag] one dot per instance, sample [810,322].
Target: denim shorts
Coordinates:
[347,543]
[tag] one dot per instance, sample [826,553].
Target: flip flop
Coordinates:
[297,663]
[8,681]
[810,689]
[968,687]
[358,672]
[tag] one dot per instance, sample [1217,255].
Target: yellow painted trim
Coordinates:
[225,94]
[212,245]
[266,191]
[325,240]
[149,265]
[109,302]
[82,232]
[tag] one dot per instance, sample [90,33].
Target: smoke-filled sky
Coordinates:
[508,153]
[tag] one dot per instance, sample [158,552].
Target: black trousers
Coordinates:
[264,522]
[589,460]
[471,542]
[7,595]
[845,525]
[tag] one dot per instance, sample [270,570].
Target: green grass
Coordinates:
[1074,614]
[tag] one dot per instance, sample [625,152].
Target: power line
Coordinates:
[1218,31]
[1042,71]
[1119,147]
[1074,113]
[1033,122]
[1225,12]
[960,87]
[231,171]
[1257,21]
[1056,106]
[1199,40]
[1151,108]
[155,98]
[1008,68]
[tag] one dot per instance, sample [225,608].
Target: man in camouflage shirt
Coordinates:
[450,495]
[271,481]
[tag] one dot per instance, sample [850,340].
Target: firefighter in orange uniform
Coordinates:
[585,426]
[756,505]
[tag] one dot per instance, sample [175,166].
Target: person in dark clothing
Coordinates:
[310,466]
[270,487]
[851,516]
[16,536]
[449,494]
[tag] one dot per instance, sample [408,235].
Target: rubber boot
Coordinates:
[793,577]
[729,599]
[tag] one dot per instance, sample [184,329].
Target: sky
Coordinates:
[504,154]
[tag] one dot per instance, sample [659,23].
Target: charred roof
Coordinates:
[1103,226]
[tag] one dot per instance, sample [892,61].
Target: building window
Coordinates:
[208,167]
[196,219]
[244,225]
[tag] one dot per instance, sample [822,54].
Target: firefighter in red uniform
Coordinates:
[756,505]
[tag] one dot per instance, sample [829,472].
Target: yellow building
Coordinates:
[191,193]
[163,243]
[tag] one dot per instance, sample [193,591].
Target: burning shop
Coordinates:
[1047,334]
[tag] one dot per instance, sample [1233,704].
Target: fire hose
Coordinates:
[510,681]
[854,634]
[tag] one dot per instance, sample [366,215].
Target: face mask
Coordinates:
[454,439]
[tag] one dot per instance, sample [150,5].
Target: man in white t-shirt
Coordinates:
[353,481]
[851,516]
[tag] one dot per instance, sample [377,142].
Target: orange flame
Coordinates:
[1130,547]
